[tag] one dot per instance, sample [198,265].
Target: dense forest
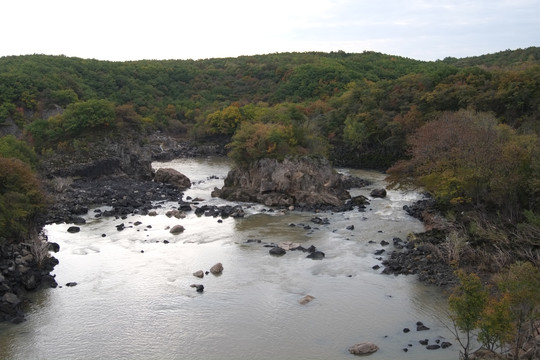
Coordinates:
[465,130]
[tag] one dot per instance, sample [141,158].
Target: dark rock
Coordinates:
[277,251]
[177,229]
[317,220]
[54,247]
[350,227]
[376,267]
[445,344]
[433,347]
[379,252]
[384,243]
[378,193]
[406,330]
[198,287]
[359,200]
[424,342]
[71,284]
[316,255]
[73,229]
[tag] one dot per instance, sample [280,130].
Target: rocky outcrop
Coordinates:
[23,267]
[303,182]
[104,158]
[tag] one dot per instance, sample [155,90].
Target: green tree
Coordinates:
[10,147]
[466,305]
[21,201]
[91,114]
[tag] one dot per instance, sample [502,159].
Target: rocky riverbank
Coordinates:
[24,267]
[422,254]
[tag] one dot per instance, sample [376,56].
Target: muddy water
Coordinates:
[134,301]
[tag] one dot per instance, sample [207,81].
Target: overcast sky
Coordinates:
[196,29]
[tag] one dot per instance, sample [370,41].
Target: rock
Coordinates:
[177,229]
[199,274]
[73,229]
[71,284]
[379,252]
[350,227]
[384,243]
[317,220]
[445,344]
[198,287]
[176,213]
[216,269]
[277,251]
[359,200]
[306,299]
[424,342]
[152,213]
[316,255]
[289,245]
[363,348]
[304,182]
[421,327]
[406,330]
[11,298]
[173,177]
[54,247]
[433,347]
[378,193]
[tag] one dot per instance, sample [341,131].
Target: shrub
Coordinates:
[21,200]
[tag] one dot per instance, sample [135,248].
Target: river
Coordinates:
[133,298]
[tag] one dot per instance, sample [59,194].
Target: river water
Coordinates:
[133,298]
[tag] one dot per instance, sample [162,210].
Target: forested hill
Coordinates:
[363,105]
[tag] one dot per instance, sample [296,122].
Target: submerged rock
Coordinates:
[306,299]
[177,229]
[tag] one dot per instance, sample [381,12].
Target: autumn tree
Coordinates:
[467,157]
[521,283]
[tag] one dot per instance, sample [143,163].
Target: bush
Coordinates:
[21,201]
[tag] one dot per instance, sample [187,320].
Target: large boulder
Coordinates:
[173,177]
[303,182]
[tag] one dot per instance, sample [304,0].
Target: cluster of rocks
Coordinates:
[216,269]
[125,196]
[23,267]
[422,257]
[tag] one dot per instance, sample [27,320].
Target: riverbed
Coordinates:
[133,298]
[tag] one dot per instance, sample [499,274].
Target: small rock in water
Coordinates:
[350,227]
[199,274]
[424,342]
[363,348]
[421,327]
[177,229]
[445,344]
[71,284]
[433,347]
[216,269]
[198,287]
[306,299]
[406,330]
[316,255]
[277,251]
[73,229]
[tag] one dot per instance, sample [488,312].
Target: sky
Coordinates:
[121,30]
